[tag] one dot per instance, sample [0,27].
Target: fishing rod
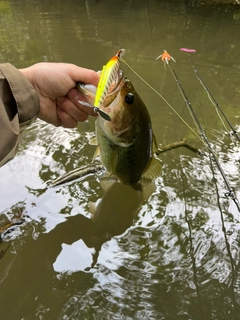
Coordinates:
[159,94]
[210,95]
[166,59]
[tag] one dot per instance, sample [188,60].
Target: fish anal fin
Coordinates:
[107,181]
[148,187]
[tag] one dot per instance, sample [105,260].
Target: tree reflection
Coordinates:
[183,263]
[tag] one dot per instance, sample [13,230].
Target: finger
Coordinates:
[84,75]
[75,96]
[72,110]
[65,120]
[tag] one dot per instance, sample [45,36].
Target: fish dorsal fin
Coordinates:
[153,170]
[93,141]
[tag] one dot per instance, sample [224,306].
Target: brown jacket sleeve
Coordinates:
[19,106]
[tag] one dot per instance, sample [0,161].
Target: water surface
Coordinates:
[177,257]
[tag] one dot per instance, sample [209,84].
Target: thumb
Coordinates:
[79,74]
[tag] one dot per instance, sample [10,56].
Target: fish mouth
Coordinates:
[115,86]
[114,90]
[89,91]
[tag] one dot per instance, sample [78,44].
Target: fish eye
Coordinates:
[129,98]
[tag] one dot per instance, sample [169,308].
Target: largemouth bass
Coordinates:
[126,143]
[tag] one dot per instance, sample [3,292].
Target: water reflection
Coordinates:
[180,250]
[113,214]
[180,257]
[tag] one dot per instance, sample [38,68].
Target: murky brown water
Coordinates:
[178,258]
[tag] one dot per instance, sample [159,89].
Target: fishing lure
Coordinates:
[188,50]
[165,56]
[108,75]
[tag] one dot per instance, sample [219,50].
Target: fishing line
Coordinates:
[159,94]
[230,192]
[211,98]
[228,247]
[188,221]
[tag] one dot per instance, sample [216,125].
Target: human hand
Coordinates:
[55,84]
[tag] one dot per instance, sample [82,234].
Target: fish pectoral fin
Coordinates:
[92,207]
[114,161]
[154,144]
[153,170]
[93,141]
[96,153]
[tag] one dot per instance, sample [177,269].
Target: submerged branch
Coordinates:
[93,169]
[76,174]
[182,143]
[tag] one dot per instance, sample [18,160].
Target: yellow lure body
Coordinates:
[108,74]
